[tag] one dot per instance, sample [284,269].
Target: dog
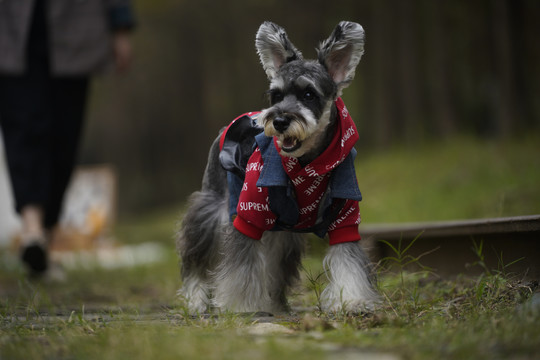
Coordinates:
[272,176]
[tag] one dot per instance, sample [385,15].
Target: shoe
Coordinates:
[34,256]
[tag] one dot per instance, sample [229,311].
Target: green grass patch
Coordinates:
[114,315]
[463,178]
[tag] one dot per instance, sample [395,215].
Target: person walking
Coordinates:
[49,49]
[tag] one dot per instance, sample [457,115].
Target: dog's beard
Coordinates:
[292,139]
[303,134]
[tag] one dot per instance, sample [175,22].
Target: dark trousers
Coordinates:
[41,119]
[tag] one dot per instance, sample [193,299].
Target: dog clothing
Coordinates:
[274,192]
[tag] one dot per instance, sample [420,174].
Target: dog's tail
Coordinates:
[203,220]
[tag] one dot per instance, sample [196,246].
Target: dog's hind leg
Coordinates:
[197,246]
[351,281]
[283,251]
[198,237]
[240,277]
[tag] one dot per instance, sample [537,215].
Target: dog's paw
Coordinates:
[335,300]
[353,307]
[195,302]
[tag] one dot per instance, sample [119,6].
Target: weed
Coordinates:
[315,284]
[402,260]
[478,250]
[502,267]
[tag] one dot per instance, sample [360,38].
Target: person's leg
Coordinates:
[24,121]
[68,102]
[41,121]
[33,240]
[26,125]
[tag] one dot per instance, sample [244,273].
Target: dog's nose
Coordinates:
[281,123]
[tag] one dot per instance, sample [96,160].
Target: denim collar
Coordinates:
[343,183]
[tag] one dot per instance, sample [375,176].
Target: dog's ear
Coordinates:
[341,52]
[274,48]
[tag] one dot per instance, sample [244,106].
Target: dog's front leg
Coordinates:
[351,282]
[240,277]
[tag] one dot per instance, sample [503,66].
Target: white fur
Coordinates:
[277,83]
[349,287]
[309,130]
[196,294]
[316,133]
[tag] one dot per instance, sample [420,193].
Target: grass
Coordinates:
[459,179]
[422,317]
[133,313]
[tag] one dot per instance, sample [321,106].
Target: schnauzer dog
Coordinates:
[275,174]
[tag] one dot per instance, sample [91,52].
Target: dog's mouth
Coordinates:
[289,143]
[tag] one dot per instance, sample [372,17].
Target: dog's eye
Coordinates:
[276,96]
[309,95]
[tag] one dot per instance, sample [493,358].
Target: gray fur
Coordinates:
[201,228]
[341,52]
[224,269]
[274,48]
[256,275]
[338,57]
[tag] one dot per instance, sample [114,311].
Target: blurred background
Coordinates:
[433,72]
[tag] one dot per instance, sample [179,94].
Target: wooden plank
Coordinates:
[508,225]
[449,245]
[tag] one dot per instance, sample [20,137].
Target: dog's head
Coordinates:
[302,92]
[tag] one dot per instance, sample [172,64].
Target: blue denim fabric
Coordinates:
[342,185]
[235,187]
